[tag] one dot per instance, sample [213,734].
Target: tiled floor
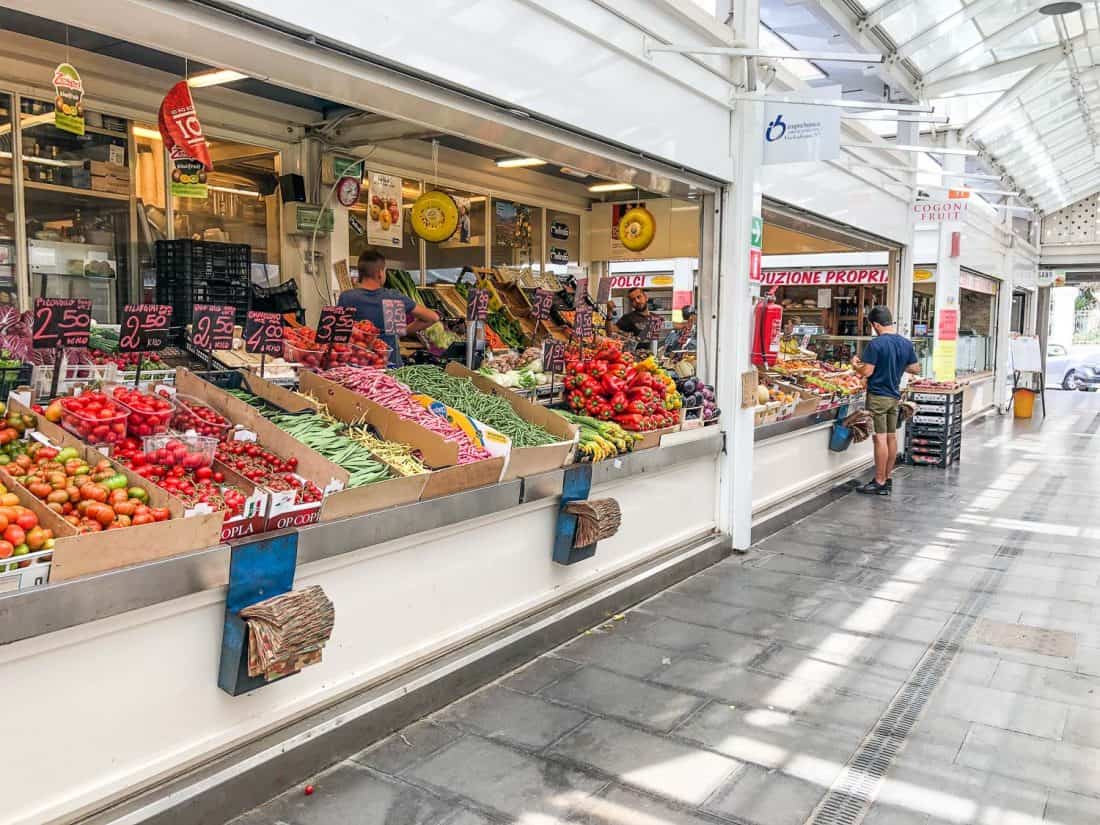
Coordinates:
[740,695]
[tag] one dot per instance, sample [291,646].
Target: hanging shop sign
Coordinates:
[182,134]
[924,276]
[948,208]
[618,212]
[635,281]
[68,102]
[796,133]
[976,283]
[434,216]
[635,228]
[384,212]
[559,255]
[559,231]
[825,277]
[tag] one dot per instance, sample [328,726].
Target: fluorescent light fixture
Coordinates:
[252,193]
[45,161]
[515,163]
[575,173]
[214,77]
[902,147]
[611,187]
[146,132]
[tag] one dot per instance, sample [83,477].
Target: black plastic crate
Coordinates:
[186,261]
[13,377]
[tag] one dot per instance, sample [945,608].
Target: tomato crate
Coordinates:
[26,571]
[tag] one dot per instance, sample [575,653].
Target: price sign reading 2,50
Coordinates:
[263,333]
[61,322]
[144,327]
[212,326]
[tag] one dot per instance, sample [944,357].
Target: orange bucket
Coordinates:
[1023,403]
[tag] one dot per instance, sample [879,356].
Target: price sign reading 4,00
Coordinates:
[212,326]
[263,333]
[540,307]
[335,325]
[394,321]
[553,356]
[477,305]
[144,327]
[61,322]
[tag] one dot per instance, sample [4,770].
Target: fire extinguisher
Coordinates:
[767,327]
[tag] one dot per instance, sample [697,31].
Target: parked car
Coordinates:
[1073,369]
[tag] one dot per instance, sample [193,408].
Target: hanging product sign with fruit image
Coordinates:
[384,212]
[68,101]
[182,133]
[434,216]
[634,228]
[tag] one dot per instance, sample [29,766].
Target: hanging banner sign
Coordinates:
[384,213]
[825,277]
[68,102]
[182,134]
[796,133]
[633,281]
[949,209]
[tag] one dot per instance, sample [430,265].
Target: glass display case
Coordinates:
[77,192]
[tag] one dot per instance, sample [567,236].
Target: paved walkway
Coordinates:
[929,658]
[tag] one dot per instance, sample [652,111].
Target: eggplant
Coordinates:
[707,393]
[689,386]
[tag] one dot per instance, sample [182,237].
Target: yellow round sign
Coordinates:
[434,216]
[923,275]
[636,228]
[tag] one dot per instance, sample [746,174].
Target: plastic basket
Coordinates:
[171,444]
[94,429]
[193,414]
[140,423]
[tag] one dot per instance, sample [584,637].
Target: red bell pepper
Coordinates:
[631,421]
[619,402]
[612,385]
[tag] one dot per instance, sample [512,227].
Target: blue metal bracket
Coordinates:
[258,570]
[576,485]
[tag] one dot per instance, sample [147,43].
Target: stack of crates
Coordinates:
[933,437]
[203,272]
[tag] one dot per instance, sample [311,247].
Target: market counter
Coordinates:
[407,583]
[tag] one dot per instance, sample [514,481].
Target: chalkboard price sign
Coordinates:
[603,291]
[263,333]
[335,325]
[655,327]
[553,356]
[394,318]
[543,302]
[582,322]
[477,305]
[212,326]
[144,327]
[61,322]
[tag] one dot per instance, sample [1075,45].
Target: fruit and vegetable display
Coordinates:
[507,329]
[91,498]
[463,395]
[600,439]
[516,370]
[265,468]
[20,532]
[606,383]
[698,399]
[146,414]
[364,349]
[182,466]
[820,377]
[929,385]
[94,418]
[192,415]
[389,392]
[103,349]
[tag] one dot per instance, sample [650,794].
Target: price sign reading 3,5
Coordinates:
[263,333]
[144,327]
[335,325]
[540,307]
[394,321]
[61,322]
[212,326]
[477,305]
[553,356]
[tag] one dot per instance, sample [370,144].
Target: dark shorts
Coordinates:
[884,411]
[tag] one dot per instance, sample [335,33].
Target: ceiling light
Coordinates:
[514,163]
[611,187]
[1055,9]
[575,173]
[214,77]
[146,132]
[252,193]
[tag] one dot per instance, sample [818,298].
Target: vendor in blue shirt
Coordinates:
[368,296]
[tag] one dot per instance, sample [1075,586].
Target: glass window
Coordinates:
[8,293]
[152,221]
[466,247]
[77,194]
[241,206]
[517,235]
[406,256]
[977,331]
[563,241]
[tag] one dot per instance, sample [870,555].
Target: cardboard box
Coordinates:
[340,501]
[527,461]
[438,454]
[102,168]
[652,438]
[807,401]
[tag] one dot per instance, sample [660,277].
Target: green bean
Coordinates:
[461,394]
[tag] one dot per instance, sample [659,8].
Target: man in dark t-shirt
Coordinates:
[636,322]
[885,360]
[368,297]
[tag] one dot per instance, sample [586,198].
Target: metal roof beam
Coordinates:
[1028,82]
[987,44]
[1030,139]
[887,9]
[977,77]
[944,27]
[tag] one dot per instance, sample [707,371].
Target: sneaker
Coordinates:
[889,484]
[873,488]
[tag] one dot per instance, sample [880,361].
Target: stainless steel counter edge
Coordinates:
[28,613]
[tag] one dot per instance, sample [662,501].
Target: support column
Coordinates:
[908,134]
[947,265]
[740,203]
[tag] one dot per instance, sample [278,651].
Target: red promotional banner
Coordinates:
[825,277]
[180,128]
[948,327]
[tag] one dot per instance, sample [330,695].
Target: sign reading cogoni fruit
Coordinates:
[949,209]
[825,277]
